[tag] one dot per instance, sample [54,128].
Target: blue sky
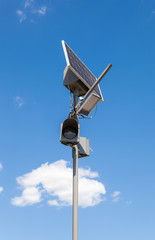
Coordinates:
[117,181]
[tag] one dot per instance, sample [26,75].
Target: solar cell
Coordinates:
[79,67]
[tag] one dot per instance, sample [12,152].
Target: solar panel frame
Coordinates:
[83,73]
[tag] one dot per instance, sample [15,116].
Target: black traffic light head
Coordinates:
[69,134]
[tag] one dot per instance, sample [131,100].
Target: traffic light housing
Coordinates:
[70,132]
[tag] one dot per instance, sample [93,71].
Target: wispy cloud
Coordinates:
[1,167]
[21,15]
[54,181]
[116,196]
[29,9]
[153,11]
[1,189]
[41,11]
[19,102]
[28,3]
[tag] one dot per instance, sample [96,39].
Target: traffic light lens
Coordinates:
[69,132]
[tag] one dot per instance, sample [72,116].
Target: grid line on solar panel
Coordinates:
[81,69]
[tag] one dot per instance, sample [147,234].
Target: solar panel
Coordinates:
[78,67]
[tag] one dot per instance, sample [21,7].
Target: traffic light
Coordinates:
[69,133]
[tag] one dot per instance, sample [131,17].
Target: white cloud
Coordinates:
[116,196]
[29,9]
[41,11]
[28,3]
[21,15]
[55,180]
[153,12]
[53,203]
[87,173]
[29,196]
[19,101]
[1,167]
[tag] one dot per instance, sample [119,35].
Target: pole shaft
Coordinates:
[75,180]
[75,192]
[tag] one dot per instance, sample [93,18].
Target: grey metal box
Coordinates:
[83,147]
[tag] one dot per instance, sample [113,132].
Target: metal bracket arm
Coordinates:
[92,87]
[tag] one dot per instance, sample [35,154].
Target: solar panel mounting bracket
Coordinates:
[80,104]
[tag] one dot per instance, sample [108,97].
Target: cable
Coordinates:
[71,102]
[83,117]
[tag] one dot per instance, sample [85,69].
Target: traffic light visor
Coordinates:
[70,128]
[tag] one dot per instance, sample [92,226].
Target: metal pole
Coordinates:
[75,192]
[75,181]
